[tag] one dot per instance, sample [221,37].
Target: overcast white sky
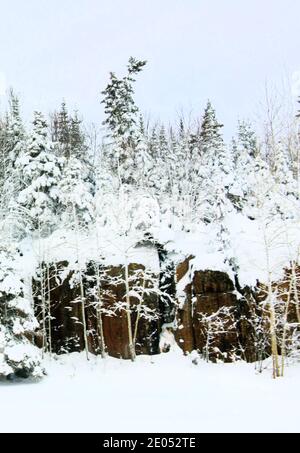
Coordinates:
[224,50]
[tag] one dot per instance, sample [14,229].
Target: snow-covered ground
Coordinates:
[165,393]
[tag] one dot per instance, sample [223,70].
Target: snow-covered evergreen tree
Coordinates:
[244,151]
[261,202]
[247,138]
[18,356]
[286,186]
[210,133]
[283,171]
[121,121]
[16,131]
[3,150]
[216,178]
[41,172]
[77,185]
[76,194]
[63,131]
[77,140]
[184,180]
[160,155]
[13,144]
[216,171]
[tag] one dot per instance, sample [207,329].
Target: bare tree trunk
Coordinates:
[43,302]
[139,310]
[272,315]
[49,309]
[295,290]
[99,303]
[208,339]
[82,297]
[274,346]
[86,347]
[128,314]
[43,298]
[99,315]
[285,321]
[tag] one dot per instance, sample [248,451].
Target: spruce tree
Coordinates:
[244,150]
[78,147]
[286,189]
[158,152]
[18,356]
[13,144]
[77,185]
[210,132]
[247,138]
[16,131]
[216,167]
[63,131]
[4,162]
[76,194]
[41,172]
[283,170]
[122,122]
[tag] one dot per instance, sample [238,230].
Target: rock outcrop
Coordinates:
[205,311]
[65,302]
[206,319]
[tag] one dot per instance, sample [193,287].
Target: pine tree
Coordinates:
[157,177]
[18,356]
[181,133]
[216,167]
[76,194]
[247,138]
[16,132]
[78,147]
[286,189]
[160,153]
[41,172]
[121,121]
[153,143]
[283,170]
[216,173]
[210,135]
[3,150]
[244,150]
[77,185]
[218,191]
[261,204]
[184,179]
[13,143]
[63,131]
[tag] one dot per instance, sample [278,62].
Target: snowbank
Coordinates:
[150,395]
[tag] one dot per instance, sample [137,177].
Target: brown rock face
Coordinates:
[185,334]
[66,310]
[286,294]
[221,326]
[206,322]
[115,327]
[183,268]
[212,282]
[211,319]
[66,317]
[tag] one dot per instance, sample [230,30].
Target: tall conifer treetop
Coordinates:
[210,133]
